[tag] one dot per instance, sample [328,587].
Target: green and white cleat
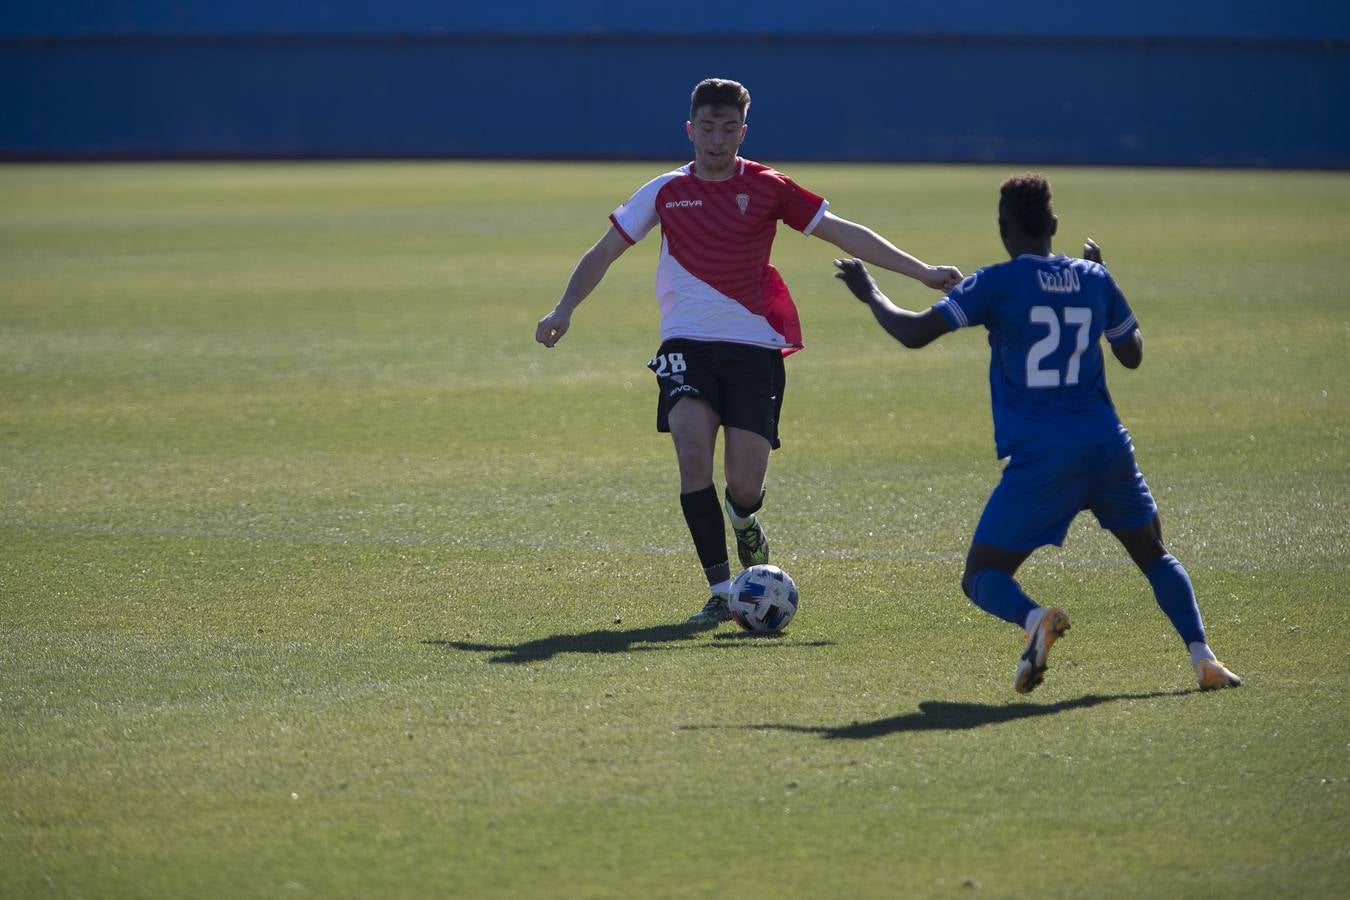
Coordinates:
[752,547]
[716,611]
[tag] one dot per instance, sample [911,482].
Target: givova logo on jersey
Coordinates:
[682,204]
[1064,281]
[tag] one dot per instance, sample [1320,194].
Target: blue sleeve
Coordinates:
[970,302]
[1120,321]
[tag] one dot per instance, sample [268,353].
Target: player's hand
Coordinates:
[942,278]
[854,274]
[1091,252]
[552,327]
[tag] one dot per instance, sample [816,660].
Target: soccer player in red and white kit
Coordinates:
[727,319]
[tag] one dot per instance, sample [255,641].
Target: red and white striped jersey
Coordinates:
[714,281]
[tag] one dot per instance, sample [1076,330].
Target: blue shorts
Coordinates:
[1041,491]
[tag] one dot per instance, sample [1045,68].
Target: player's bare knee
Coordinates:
[695,459]
[1148,555]
[1144,544]
[746,464]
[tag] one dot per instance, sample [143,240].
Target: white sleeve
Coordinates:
[637,215]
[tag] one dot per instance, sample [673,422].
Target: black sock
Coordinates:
[703,514]
[744,512]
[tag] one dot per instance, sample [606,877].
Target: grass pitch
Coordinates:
[320,578]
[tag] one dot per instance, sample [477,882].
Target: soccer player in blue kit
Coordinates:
[1054,422]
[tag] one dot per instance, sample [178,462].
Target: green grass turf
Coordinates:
[320,578]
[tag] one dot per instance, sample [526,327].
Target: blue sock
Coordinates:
[1172,588]
[999,594]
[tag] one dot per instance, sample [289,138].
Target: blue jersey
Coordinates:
[1046,316]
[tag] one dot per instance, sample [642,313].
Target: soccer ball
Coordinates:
[763,599]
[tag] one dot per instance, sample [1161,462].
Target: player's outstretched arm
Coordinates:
[914,330]
[585,277]
[1130,351]
[864,243]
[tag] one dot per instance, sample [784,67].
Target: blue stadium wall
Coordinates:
[1150,82]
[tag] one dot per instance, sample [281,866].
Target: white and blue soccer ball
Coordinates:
[763,599]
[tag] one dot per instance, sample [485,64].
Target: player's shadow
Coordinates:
[942,715]
[626,641]
[630,640]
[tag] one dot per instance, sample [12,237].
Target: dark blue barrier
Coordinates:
[955,81]
[1167,19]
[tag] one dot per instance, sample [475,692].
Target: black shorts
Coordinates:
[744,384]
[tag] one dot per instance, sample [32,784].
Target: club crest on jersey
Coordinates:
[1062,282]
[743,201]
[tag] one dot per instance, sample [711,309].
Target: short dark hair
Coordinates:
[719,92]
[1026,200]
